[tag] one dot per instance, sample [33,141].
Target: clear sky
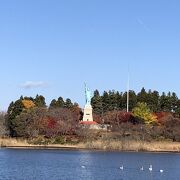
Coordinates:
[51,47]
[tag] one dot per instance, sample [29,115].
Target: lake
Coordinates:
[89,165]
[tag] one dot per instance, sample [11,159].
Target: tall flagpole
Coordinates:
[128,90]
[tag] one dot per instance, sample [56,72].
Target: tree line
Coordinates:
[30,117]
[114,100]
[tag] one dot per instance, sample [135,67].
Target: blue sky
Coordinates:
[54,46]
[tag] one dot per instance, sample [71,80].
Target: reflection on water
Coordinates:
[61,164]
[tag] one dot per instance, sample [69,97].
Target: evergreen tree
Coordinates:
[53,104]
[97,103]
[120,103]
[113,100]
[60,102]
[174,102]
[14,109]
[68,103]
[105,101]
[40,101]
[124,101]
[153,101]
[132,100]
[76,105]
[165,102]
[142,96]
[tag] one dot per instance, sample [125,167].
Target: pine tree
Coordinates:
[40,101]
[97,103]
[105,101]
[68,103]
[132,100]
[165,103]
[14,109]
[120,103]
[61,103]
[53,104]
[142,96]
[113,100]
[153,101]
[174,102]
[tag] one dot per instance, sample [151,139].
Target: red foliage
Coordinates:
[51,123]
[124,116]
[97,118]
[117,117]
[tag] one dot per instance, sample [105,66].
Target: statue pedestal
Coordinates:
[87,113]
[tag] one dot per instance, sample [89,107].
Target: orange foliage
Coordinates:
[161,115]
[28,104]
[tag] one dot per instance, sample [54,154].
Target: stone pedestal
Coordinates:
[87,113]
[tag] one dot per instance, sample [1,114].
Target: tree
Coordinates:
[61,103]
[28,104]
[97,103]
[113,103]
[165,102]
[171,128]
[120,102]
[23,104]
[53,104]
[174,102]
[68,104]
[153,101]
[30,123]
[40,101]
[143,113]
[63,120]
[115,118]
[76,112]
[142,96]
[14,109]
[132,100]
[105,101]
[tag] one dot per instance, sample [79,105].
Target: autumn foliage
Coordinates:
[30,117]
[28,103]
[144,114]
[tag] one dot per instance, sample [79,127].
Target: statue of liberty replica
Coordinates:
[88,108]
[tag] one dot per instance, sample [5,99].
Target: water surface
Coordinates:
[89,165]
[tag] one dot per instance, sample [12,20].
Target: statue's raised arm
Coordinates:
[87,95]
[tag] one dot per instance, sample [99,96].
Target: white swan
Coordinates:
[121,168]
[150,168]
[161,171]
[83,167]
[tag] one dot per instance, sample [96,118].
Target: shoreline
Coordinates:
[82,149]
[99,145]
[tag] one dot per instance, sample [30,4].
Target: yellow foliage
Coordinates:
[143,112]
[28,104]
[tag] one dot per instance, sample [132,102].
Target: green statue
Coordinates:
[88,95]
